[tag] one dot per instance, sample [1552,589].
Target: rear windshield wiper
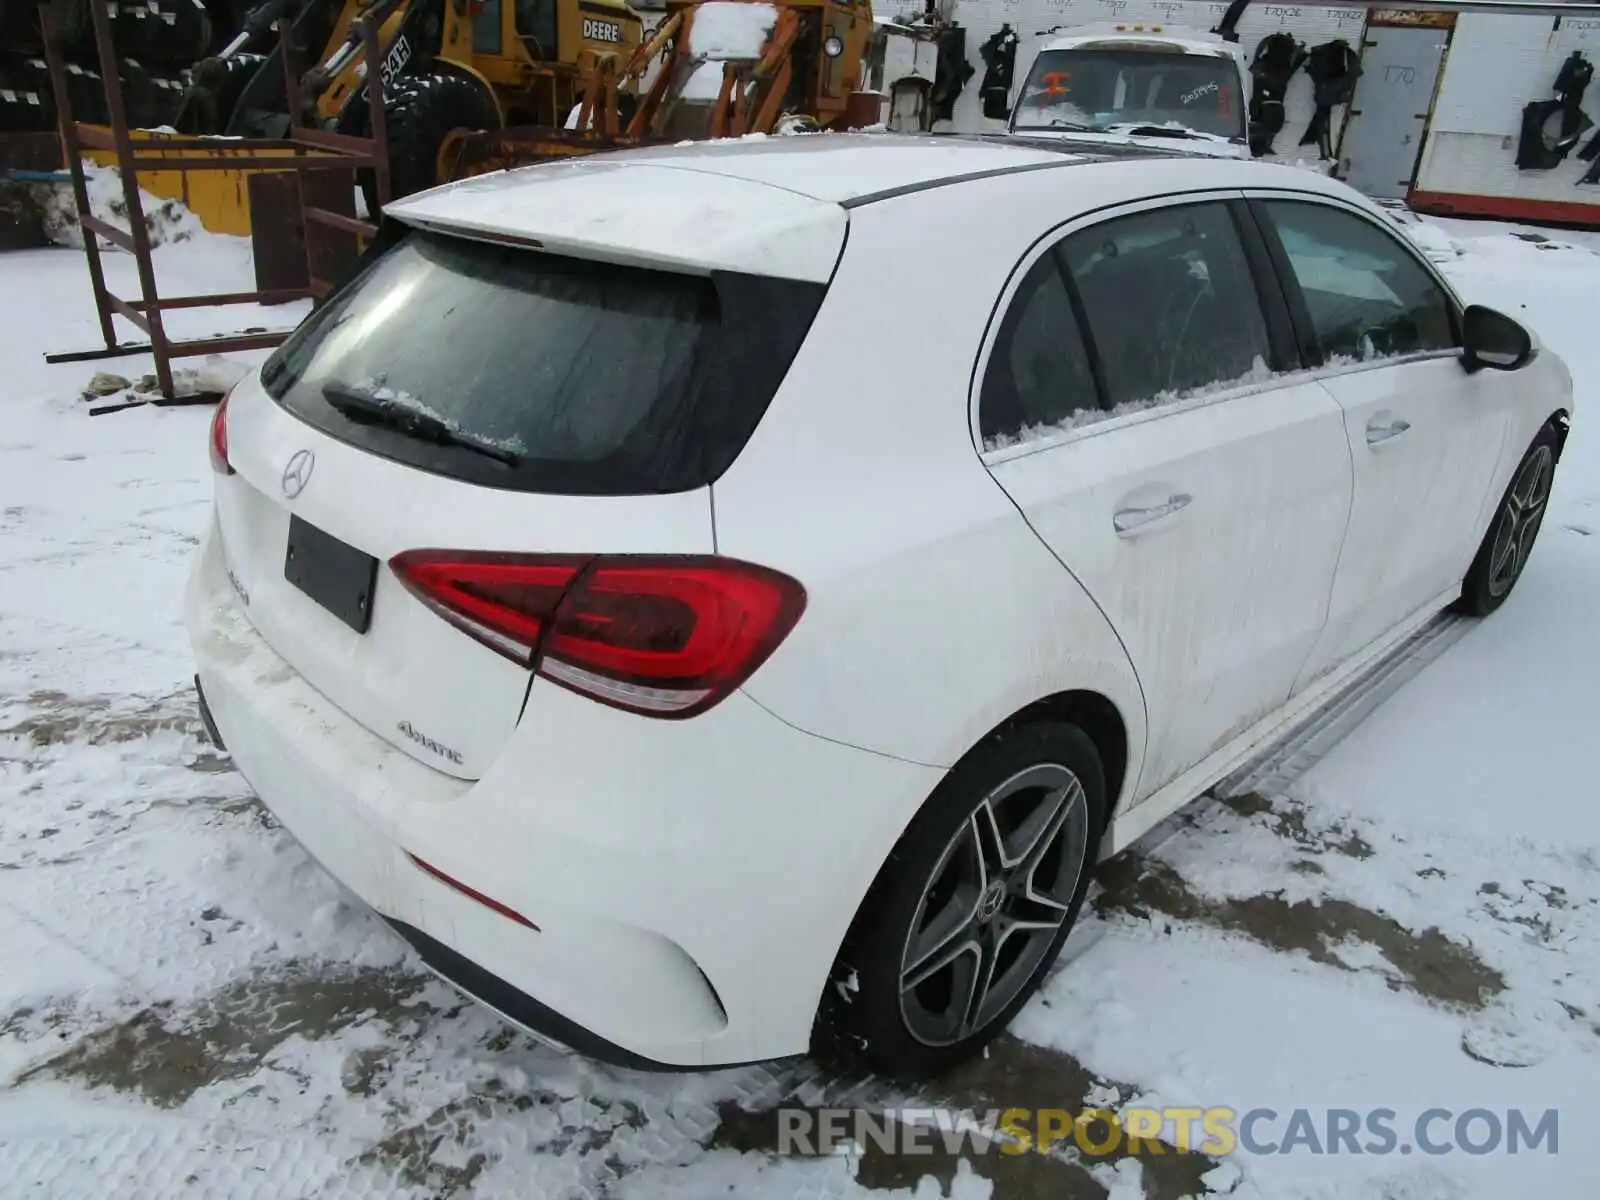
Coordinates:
[412,422]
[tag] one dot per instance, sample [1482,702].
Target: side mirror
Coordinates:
[1492,339]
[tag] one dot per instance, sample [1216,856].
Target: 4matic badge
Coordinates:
[427,743]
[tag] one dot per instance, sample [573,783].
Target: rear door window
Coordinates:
[545,372]
[1038,373]
[1171,304]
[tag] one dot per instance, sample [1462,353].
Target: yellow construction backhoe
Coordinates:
[710,69]
[447,64]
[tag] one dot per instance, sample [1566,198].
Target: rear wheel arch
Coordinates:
[853,1030]
[1091,712]
[1561,422]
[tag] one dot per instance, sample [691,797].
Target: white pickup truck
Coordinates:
[1154,84]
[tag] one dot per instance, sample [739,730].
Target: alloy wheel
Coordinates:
[992,906]
[1518,524]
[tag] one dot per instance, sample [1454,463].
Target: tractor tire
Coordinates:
[135,30]
[152,99]
[87,95]
[227,19]
[74,23]
[214,89]
[19,25]
[421,110]
[177,33]
[26,102]
[170,90]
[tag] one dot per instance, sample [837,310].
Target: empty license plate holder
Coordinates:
[336,575]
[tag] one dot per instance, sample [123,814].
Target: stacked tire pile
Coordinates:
[156,42]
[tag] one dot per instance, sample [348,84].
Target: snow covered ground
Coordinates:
[187,1005]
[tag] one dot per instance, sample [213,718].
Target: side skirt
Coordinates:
[1282,743]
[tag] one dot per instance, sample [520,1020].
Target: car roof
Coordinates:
[1190,41]
[858,168]
[775,205]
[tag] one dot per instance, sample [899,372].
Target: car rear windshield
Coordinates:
[1095,89]
[533,371]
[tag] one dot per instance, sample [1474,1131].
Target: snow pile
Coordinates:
[1434,242]
[725,29]
[1317,166]
[166,220]
[703,83]
[1432,239]
[215,376]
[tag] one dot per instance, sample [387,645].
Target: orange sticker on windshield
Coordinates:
[1057,83]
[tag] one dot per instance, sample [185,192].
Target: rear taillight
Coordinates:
[667,636]
[219,439]
[506,601]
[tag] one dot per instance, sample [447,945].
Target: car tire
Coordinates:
[985,883]
[1506,546]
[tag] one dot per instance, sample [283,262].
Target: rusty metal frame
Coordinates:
[303,149]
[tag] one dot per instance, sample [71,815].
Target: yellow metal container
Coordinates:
[220,198]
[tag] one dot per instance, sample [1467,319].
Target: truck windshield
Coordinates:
[1098,88]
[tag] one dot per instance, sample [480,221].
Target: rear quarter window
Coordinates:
[582,377]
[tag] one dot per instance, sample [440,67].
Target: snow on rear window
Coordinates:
[587,369]
[378,389]
[539,372]
[724,29]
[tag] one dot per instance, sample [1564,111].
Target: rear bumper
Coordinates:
[472,980]
[690,880]
[544,1022]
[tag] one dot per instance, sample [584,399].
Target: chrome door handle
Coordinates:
[1380,431]
[1126,520]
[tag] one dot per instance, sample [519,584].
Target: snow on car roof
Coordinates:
[837,168]
[847,168]
[765,205]
[771,205]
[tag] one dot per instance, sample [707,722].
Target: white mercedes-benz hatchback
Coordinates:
[718,602]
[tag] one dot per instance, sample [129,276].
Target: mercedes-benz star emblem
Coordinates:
[298,473]
[991,900]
